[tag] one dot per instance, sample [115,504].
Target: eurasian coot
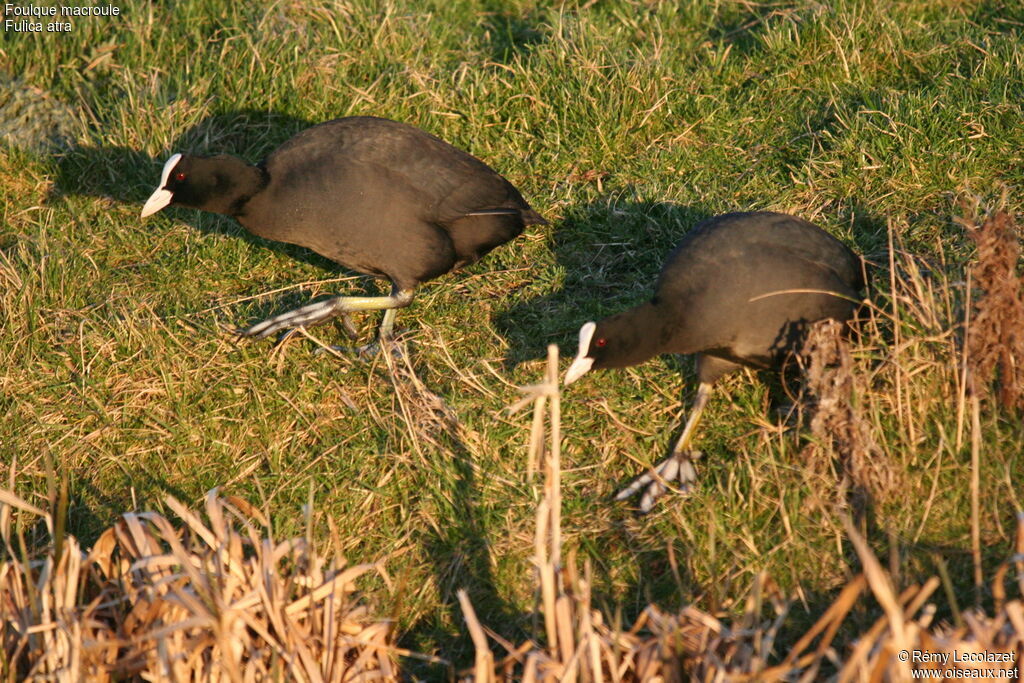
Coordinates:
[376,196]
[739,290]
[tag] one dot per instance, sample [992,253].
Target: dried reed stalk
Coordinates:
[53,629]
[906,628]
[994,338]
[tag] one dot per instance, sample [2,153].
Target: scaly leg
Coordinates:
[322,311]
[677,467]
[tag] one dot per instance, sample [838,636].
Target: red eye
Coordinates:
[179,176]
[600,343]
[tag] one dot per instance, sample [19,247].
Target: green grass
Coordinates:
[624,123]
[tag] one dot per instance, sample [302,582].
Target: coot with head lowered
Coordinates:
[376,196]
[739,290]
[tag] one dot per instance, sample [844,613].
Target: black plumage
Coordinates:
[739,290]
[376,196]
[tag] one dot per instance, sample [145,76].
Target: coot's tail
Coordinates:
[531,217]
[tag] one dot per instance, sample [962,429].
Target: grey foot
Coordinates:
[676,469]
[307,316]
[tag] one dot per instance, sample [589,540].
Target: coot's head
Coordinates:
[594,351]
[623,339]
[214,184]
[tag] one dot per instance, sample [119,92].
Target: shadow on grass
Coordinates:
[92,509]
[456,535]
[611,254]
[509,34]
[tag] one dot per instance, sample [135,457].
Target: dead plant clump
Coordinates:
[837,425]
[202,601]
[995,325]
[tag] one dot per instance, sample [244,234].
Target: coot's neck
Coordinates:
[222,184]
[247,181]
[640,334]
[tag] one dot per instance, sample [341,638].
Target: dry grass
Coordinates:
[216,598]
[838,426]
[211,599]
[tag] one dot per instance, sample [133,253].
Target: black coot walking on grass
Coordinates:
[739,290]
[376,196]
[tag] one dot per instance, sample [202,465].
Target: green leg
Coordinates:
[387,324]
[322,311]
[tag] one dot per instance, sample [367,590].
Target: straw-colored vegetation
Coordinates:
[204,599]
[896,126]
[213,600]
